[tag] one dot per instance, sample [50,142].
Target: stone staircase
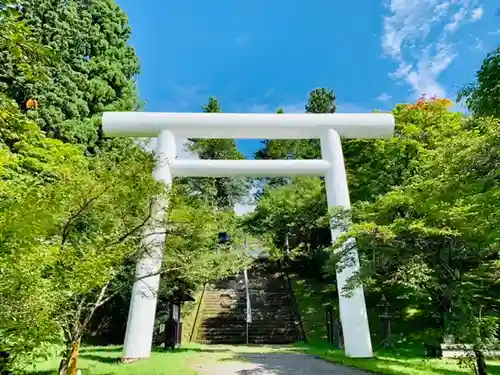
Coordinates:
[221,319]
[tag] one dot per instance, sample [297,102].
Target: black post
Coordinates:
[329,324]
[169,328]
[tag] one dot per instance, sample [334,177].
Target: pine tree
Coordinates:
[226,191]
[92,71]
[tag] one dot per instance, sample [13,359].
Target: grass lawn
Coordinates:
[105,360]
[400,362]
[313,298]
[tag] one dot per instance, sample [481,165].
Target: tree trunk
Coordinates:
[67,366]
[480,362]
[63,366]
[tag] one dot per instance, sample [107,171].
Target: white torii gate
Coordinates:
[166,126]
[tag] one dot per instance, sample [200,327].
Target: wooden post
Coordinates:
[74,358]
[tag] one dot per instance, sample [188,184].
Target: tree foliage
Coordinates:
[320,100]
[424,216]
[483,96]
[435,240]
[224,192]
[23,59]
[67,223]
[71,222]
[92,73]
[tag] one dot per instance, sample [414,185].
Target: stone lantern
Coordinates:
[385,317]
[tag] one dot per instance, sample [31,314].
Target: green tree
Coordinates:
[483,96]
[68,222]
[71,227]
[23,59]
[320,100]
[223,191]
[93,71]
[436,239]
[374,168]
[377,171]
[192,258]
[297,213]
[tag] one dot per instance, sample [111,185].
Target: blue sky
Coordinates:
[259,55]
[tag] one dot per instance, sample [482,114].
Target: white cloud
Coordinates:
[477,14]
[457,19]
[419,36]
[496,32]
[384,97]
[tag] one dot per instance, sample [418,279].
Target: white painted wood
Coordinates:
[247,168]
[140,323]
[247,125]
[353,316]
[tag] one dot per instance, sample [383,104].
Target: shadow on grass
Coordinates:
[192,350]
[42,372]
[102,359]
[87,349]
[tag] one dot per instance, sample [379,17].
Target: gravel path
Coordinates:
[276,364]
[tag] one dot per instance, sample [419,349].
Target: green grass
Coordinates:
[105,360]
[405,361]
[313,297]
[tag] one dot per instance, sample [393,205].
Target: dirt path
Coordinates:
[275,364]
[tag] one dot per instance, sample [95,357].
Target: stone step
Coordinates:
[262,308]
[227,319]
[252,331]
[242,325]
[242,294]
[251,340]
[223,311]
[242,315]
[268,300]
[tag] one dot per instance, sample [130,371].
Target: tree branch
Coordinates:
[67,227]
[104,300]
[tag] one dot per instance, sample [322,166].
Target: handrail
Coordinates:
[198,308]
[296,308]
[248,317]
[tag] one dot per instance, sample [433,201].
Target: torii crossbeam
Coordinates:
[329,128]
